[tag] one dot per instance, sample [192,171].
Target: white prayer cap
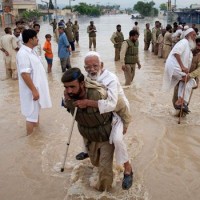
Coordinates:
[189,30]
[178,32]
[186,27]
[92,54]
[180,26]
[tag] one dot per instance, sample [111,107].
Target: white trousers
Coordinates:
[188,89]
[116,137]
[33,117]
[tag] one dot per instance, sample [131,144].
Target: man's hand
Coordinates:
[124,67]
[81,103]
[139,65]
[6,53]
[185,78]
[124,130]
[35,94]
[184,69]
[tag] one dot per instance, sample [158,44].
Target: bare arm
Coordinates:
[46,50]
[27,79]
[3,50]
[86,103]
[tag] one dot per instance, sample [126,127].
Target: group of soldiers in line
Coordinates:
[179,46]
[164,39]
[162,42]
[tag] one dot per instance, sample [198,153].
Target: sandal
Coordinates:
[82,156]
[127,181]
[184,109]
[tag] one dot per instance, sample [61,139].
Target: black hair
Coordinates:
[118,26]
[17,22]
[198,40]
[16,29]
[196,30]
[28,34]
[133,33]
[34,25]
[72,74]
[47,36]
[168,27]
[7,30]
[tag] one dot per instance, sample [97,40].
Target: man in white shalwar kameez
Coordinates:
[177,67]
[33,85]
[94,68]
[8,46]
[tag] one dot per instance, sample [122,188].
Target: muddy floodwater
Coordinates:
[165,155]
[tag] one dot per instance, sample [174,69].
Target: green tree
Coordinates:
[85,9]
[146,9]
[163,6]
[66,7]
[31,14]
[51,6]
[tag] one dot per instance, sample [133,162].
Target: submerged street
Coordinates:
[163,153]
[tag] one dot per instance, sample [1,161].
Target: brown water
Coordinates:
[165,155]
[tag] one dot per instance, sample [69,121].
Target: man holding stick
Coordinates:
[93,126]
[115,102]
[177,67]
[194,70]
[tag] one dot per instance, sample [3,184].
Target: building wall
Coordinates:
[13,8]
[24,2]
[17,7]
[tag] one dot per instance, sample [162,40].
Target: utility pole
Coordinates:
[70,6]
[56,11]
[47,8]
[170,5]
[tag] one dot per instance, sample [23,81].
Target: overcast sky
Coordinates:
[125,3]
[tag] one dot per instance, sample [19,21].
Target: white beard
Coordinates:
[94,77]
[192,43]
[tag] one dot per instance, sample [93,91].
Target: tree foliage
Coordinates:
[51,6]
[85,9]
[67,7]
[146,9]
[31,14]
[163,6]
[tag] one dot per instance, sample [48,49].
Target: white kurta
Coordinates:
[9,43]
[114,89]
[173,73]
[19,41]
[29,62]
